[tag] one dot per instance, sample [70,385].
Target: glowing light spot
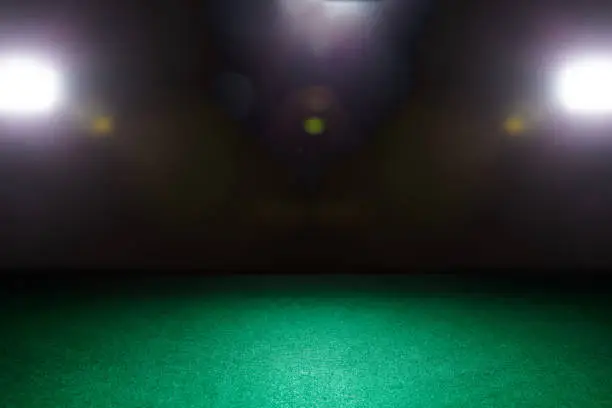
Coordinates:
[347,10]
[103,125]
[314,126]
[28,86]
[585,86]
[514,126]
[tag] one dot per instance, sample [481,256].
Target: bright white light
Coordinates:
[585,86]
[28,87]
[325,23]
[325,9]
[346,10]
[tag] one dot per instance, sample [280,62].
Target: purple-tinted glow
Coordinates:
[327,24]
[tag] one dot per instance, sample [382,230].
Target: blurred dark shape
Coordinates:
[235,94]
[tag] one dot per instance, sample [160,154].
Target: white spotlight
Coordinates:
[584,86]
[28,87]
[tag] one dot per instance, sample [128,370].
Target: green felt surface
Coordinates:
[349,349]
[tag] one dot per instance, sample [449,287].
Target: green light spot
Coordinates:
[314,126]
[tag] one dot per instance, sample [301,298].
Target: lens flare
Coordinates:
[314,126]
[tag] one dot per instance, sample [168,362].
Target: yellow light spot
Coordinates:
[314,126]
[103,125]
[514,126]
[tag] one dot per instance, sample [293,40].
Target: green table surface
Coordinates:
[280,346]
